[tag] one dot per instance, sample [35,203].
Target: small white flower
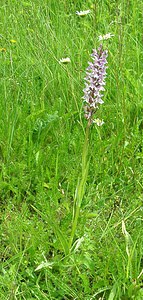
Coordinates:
[98,122]
[105,36]
[83,13]
[65,60]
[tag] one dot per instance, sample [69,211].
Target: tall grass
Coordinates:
[42,132]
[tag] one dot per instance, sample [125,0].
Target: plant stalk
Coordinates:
[80,190]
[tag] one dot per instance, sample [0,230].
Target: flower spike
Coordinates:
[95,82]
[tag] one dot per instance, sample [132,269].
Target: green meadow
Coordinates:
[71,215]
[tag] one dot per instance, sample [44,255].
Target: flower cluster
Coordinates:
[65,60]
[105,36]
[95,81]
[83,13]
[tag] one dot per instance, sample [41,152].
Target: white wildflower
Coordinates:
[83,13]
[105,36]
[98,122]
[65,60]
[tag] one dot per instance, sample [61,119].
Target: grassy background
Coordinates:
[41,138]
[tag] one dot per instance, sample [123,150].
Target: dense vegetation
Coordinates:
[42,132]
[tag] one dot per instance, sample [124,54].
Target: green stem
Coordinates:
[81,185]
[85,147]
[74,225]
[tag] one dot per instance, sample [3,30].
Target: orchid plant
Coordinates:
[93,93]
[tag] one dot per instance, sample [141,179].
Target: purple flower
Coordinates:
[95,81]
